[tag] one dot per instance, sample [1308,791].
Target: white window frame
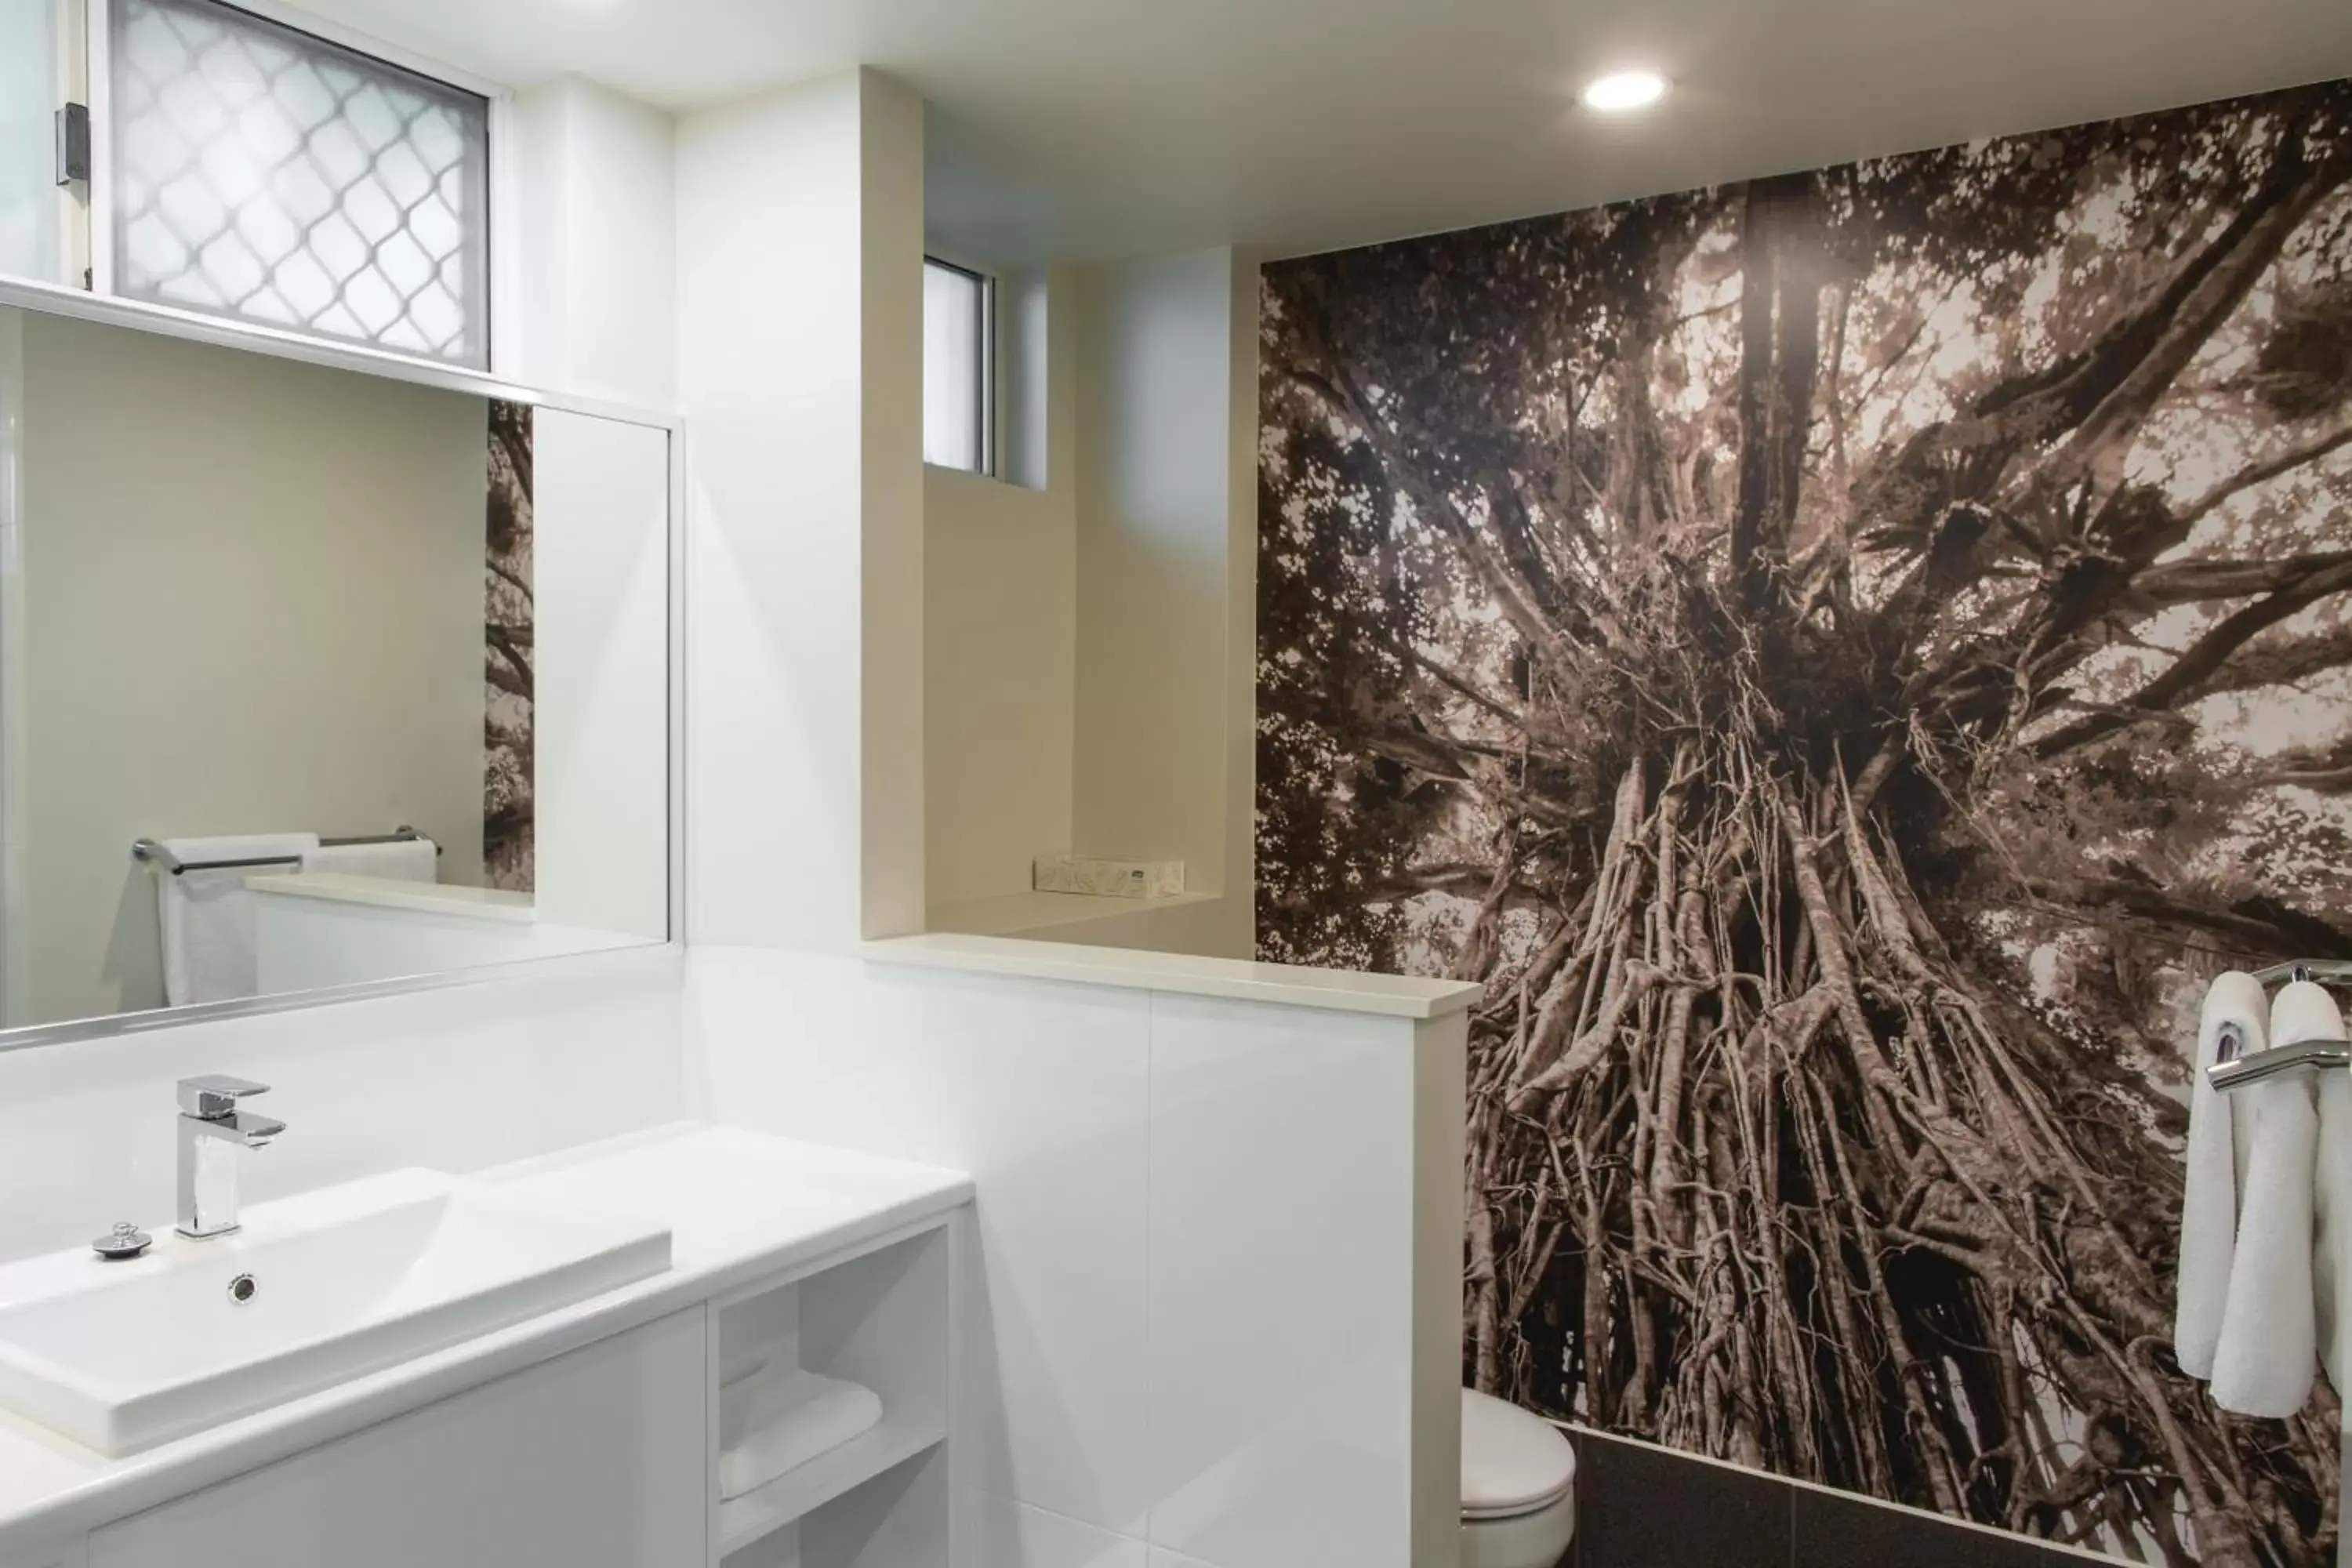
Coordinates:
[503,275]
[991,389]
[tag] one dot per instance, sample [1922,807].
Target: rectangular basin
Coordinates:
[123,1356]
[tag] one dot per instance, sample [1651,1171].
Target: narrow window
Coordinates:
[958,377]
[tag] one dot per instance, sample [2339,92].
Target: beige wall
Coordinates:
[999,655]
[1166,595]
[253,602]
[1091,645]
[999,634]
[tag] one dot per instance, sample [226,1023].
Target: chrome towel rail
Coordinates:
[2234,1071]
[148,852]
[2241,1071]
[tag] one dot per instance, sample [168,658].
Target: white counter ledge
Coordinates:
[740,1205]
[1338,991]
[393,893]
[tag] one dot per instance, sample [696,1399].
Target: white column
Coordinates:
[800,364]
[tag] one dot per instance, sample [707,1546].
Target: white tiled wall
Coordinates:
[1188,1326]
[1280,1239]
[1002,1533]
[1041,1093]
[458,1078]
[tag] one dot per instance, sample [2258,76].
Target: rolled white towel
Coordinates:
[780,1418]
[2209,1208]
[2332,1230]
[2269,1351]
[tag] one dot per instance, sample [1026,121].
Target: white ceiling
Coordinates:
[1088,128]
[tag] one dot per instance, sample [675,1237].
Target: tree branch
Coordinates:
[2259,925]
[2284,661]
[2191,673]
[2194,581]
[2270,467]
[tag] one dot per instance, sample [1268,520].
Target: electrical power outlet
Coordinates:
[1116,879]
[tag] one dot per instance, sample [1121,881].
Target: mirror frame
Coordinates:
[137,316]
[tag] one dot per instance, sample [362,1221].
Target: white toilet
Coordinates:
[1518,1486]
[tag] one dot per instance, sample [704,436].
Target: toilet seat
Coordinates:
[1513,1463]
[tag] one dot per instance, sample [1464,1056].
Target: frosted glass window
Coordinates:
[263,173]
[955,368]
[28,97]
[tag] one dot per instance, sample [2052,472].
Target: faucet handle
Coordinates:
[212,1096]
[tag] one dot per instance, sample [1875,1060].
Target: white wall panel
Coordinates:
[601,701]
[457,1079]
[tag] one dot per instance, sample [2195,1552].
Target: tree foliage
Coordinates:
[1845,658]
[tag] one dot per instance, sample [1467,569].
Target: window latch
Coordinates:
[73,143]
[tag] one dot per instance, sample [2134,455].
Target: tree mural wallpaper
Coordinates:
[508,814]
[1844,659]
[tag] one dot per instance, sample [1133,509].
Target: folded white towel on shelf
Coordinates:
[400,859]
[205,919]
[2268,1354]
[2234,1004]
[779,1418]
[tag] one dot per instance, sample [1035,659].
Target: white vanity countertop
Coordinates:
[740,1207]
[396,893]
[1236,979]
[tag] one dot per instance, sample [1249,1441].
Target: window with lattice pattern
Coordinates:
[263,173]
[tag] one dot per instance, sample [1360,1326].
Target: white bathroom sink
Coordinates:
[313,1291]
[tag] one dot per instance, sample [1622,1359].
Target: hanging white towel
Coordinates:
[2268,1354]
[205,919]
[2234,1004]
[2331,1203]
[400,859]
[779,1418]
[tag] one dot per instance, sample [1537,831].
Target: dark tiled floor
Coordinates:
[1832,1532]
[1639,1507]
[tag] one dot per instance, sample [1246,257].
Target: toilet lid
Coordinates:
[1512,1462]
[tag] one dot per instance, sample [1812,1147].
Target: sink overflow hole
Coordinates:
[241,1289]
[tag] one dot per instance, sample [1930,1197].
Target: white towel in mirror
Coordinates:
[205,918]
[399,859]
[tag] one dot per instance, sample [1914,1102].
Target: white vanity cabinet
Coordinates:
[655,1439]
[594,1459]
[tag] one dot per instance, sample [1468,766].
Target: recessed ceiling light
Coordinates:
[1621,91]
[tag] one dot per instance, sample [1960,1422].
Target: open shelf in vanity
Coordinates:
[878,1320]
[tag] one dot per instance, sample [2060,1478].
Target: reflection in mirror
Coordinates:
[311,677]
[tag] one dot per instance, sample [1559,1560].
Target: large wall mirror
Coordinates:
[311,677]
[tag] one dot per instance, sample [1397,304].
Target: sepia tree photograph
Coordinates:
[1845,659]
[508,814]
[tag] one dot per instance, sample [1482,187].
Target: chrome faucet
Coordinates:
[211,1129]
